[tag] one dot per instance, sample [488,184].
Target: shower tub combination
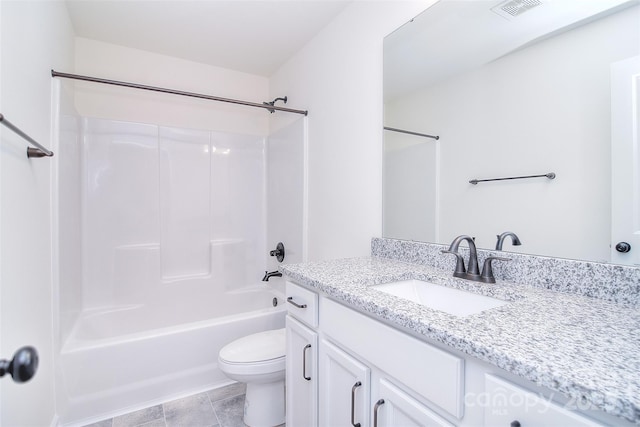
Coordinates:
[165,267]
[127,364]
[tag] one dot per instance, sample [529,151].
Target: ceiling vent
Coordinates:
[511,9]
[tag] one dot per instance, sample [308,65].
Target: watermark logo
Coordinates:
[501,401]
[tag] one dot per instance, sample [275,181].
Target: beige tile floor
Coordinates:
[221,407]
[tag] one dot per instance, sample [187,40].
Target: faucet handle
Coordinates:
[460,271]
[487,271]
[278,252]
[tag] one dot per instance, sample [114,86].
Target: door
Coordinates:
[625,161]
[301,374]
[344,388]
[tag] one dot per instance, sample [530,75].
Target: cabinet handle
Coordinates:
[291,301]
[377,406]
[353,403]
[304,362]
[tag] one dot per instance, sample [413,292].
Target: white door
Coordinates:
[625,161]
[301,375]
[396,408]
[344,388]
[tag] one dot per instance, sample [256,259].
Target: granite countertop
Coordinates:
[583,347]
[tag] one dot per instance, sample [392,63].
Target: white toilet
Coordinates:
[259,361]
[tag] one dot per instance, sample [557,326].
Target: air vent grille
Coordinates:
[513,8]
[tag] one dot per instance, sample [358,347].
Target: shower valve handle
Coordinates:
[623,247]
[278,252]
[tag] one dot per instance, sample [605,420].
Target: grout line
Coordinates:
[215,413]
[152,421]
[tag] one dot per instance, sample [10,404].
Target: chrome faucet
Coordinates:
[501,238]
[472,274]
[268,275]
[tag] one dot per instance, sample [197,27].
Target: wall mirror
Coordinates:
[511,89]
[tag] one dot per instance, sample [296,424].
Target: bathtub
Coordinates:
[125,358]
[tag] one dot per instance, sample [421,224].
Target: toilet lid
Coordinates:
[267,345]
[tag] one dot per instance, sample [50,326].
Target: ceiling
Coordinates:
[252,36]
[454,36]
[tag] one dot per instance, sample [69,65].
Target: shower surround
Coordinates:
[162,243]
[166,205]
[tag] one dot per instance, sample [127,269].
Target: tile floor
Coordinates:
[221,407]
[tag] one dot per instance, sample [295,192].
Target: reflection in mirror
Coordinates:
[508,96]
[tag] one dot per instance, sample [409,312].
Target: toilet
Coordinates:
[259,361]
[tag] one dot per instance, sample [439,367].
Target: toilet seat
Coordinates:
[254,354]
[255,348]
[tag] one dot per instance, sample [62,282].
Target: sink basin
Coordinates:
[450,300]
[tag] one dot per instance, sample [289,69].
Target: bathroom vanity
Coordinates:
[358,354]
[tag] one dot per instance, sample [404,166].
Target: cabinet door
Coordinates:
[344,388]
[396,408]
[302,374]
[430,372]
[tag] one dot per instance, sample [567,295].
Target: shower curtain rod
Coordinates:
[175,92]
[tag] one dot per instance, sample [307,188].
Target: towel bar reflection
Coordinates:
[549,175]
[39,151]
[409,132]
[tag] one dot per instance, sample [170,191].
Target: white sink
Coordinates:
[452,301]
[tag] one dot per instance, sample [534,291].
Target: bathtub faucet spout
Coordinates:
[269,274]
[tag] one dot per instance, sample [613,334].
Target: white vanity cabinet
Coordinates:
[374,375]
[345,368]
[352,392]
[302,357]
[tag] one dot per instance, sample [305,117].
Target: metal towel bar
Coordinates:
[39,151]
[409,132]
[549,175]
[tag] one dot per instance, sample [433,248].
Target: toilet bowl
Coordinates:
[259,361]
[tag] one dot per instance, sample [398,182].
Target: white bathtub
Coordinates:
[127,358]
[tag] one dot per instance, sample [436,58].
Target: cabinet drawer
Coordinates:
[425,369]
[302,304]
[505,403]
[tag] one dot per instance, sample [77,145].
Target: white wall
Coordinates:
[338,78]
[66,211]
[105,60]
[35,36]
[541,109]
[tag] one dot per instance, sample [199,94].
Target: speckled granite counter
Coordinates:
[583,347]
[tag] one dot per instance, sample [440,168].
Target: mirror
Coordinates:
[512,89]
